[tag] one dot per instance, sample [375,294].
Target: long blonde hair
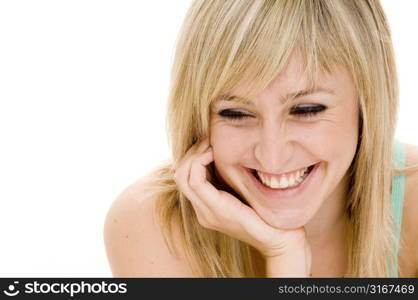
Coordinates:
[223,42]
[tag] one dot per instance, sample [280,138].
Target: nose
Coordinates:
[273,148]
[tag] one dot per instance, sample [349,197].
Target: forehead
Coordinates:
[293,83]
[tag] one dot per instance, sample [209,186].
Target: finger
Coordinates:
[182,178]
[201,213]
[195,149]
[191,196]
[198,181]
[198,203]
[204,144]
[200,146]
[198,167]
[207,193]
[185,165]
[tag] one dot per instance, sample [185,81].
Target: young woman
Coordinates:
[281,119]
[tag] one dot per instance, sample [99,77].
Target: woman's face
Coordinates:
[274,141]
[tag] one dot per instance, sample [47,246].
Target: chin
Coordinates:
[285,220]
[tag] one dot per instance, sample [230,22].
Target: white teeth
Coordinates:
[274,183]
[282,182]
[292,179]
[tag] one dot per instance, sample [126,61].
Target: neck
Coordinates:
[327,236]
[331,219]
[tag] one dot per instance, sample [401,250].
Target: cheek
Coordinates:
[346,134]
[333,140]
[340,139]
[229,144]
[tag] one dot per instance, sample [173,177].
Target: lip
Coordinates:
[290,192]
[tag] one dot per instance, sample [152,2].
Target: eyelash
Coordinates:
[301,112]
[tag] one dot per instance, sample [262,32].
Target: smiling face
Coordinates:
[262,150]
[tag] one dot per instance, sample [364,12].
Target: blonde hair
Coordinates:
[223,42]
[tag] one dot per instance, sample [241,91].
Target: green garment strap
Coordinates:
[398,188]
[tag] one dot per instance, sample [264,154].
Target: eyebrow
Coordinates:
[290,96]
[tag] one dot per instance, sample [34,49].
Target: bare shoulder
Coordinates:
[409,248]
[133,239]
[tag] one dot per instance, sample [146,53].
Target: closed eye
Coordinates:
[301,111]
[307,111]
[233,115]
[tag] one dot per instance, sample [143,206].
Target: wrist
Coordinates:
[292,264]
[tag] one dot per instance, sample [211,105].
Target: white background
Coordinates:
[83,90]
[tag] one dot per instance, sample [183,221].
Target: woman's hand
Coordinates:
[221,211]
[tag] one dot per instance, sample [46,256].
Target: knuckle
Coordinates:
[193,182]
[203,221]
